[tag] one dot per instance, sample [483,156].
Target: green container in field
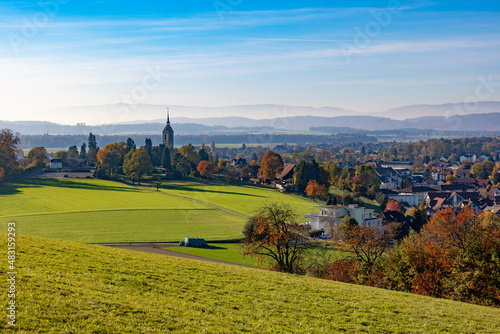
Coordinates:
[193,242]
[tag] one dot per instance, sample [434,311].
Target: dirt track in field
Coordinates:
[158,248]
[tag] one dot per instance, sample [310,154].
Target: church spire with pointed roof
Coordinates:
[168,133]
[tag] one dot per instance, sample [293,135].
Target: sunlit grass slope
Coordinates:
[223,251]
[66,287]
[103,211]
[244,199]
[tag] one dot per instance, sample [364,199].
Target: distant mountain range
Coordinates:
[195,126]
[145,113]
[444,110]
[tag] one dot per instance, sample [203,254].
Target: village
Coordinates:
[399,187]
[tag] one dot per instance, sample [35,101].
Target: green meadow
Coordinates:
[219,251]
[233,253]
[243,199]
[98,211]
[67,287]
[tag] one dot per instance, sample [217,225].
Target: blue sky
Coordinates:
[368,57]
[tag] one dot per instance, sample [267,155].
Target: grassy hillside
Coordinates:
[102,211]
[223,251]
[245,199]
[74,288]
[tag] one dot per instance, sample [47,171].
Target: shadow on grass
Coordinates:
[184,188]
[14,188]
[211,247]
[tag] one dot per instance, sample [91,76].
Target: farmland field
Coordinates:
[223,251]
[233,253]
[244,199]
[98,211]
[110,290]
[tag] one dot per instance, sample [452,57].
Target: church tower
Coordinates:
[168,134]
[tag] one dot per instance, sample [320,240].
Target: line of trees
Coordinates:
[455,256]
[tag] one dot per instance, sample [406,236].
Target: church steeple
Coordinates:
[168,133]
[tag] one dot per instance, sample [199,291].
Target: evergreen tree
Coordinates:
[181,164]
[73,152]
[332,200]
[149,147]
[156,155]
[406,183]
[92,152]
[306,172]
[92,142]
[83,151]
[130,144]
[212,148]
[166,162]
[302,176]
[421,218]
[203,153]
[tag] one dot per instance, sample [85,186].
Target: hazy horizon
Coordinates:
[366,57]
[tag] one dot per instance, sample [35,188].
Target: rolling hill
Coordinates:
[67,287]
[98,211]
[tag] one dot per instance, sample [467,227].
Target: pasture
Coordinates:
[219,251]
[243,199]
[231,252]
[111,290]
[98,211]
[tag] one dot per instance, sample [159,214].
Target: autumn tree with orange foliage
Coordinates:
[316,190]
[393,205]
[271,166]
[456,255]
[111,157]
[274,234]
[206,169]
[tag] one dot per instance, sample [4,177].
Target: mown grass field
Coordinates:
[223,251]
[244,199]
[233,253]
[66,287]
[98,211]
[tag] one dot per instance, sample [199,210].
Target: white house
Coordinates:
[396,164]
[328,216]
[67,163]
[56,164]
[471,158]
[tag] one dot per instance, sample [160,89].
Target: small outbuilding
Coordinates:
[193,242]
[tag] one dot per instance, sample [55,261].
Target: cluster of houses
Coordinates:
[480,194]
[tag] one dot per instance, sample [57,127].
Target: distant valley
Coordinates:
[197,126]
